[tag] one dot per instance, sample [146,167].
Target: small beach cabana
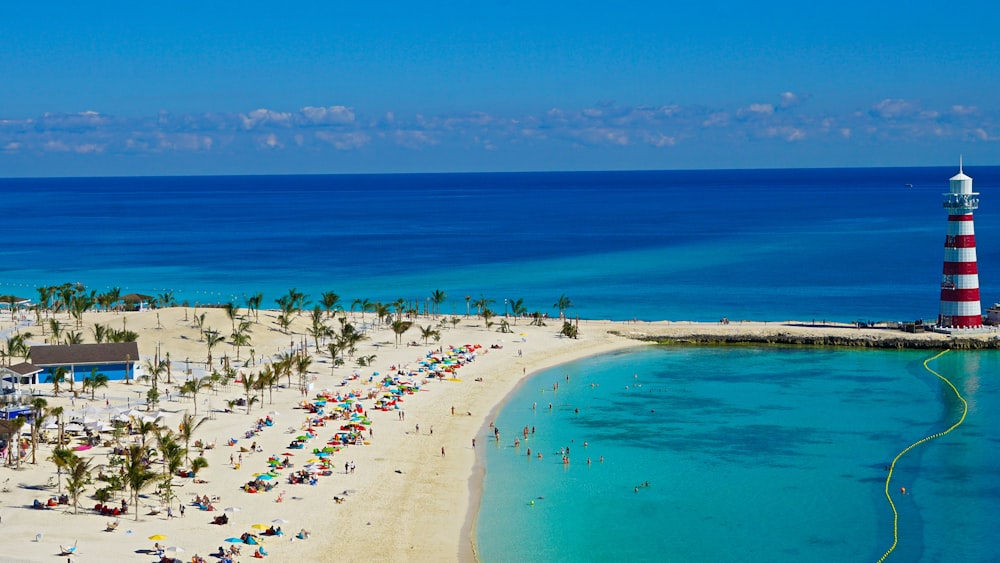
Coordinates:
[14,303]
[14,377]
[115,360]
[137,302]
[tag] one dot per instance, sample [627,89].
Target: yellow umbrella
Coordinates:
[158,537]
[260,526]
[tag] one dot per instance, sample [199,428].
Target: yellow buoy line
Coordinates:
[965,411]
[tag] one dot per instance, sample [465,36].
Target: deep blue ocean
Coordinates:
[752,454]
[759,244]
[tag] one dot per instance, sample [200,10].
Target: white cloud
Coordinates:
[413,139]
[789,99]
[344,141]
[758,109]
[315,129]
[716,119]
[88,148]
[890,108]
[269,141]
[259,117]
[659,140]
[332,115]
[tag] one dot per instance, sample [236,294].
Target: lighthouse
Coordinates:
[960,306]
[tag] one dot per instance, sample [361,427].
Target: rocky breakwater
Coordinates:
[770,334]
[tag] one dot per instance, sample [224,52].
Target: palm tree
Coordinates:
[330,301]
[365,305]
[428,332]
[302,363]
[38,405]
[268,378]
[381,311]
[56,327]
[57,377]
[154,370]
[12,434]
[253,304]
[172,455]
[517,308]
[232,311]
[189,423]
[45,298]
[58,413]
[144,428]
[199,323]
[334,348]
[198,464]
[115,295]
[100,332]
[562,304]
[482,304]
[63,458]
[74,337]
[93,381]
[250,382]
[399,327]
[194,386]
[166,299]
[80,305]
[317,329]
[437,298]
[78,479]
[138,476]
[280,366]
[240,337]
[212,338]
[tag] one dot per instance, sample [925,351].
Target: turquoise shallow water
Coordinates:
[751,454]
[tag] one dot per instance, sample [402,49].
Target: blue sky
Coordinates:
[149,88]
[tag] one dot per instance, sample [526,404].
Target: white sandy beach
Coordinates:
[405,501]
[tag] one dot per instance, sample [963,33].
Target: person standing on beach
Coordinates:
[442,451]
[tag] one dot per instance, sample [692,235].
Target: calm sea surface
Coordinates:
[751,454]
[767,244]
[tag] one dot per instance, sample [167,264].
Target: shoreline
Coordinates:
[429,501]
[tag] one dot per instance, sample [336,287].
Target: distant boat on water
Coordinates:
[909,185]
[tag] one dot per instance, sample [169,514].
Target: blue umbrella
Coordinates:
[234,540]
[265,477]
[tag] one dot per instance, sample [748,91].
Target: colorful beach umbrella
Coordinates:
[234,540]
[157,537]
[260,526]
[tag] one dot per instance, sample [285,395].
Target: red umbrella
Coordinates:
[287,453]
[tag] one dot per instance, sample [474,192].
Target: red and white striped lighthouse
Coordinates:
[960,307]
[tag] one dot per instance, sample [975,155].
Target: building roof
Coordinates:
[24,368]
[77,354]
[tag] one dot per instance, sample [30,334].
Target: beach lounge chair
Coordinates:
[67,550]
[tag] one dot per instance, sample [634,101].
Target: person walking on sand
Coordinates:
[442,451]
